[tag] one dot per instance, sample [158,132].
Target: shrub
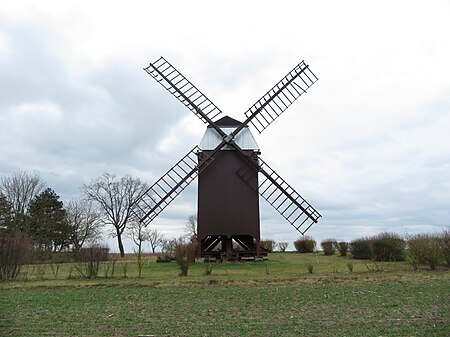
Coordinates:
[444,242]
[360,248]
[40,271]
[305,244]
[124,269]
[425,249]
[15,249]
[343,248]
[329,246]
[208,269]
[89,260]
[185,255]
[109,268]
[310,267]
[350,266]
[388,247]
[268,245]
[376,266]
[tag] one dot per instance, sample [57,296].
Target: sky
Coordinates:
[368,146]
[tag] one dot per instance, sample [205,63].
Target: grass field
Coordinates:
[274,298]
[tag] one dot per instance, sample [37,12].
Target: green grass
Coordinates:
[279,267]
[277,298]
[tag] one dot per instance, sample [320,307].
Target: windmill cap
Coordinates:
[227,121]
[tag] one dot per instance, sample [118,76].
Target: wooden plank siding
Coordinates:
[227,204]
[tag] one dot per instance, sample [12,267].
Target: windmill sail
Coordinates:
[167,188]
[291,205]
[187,93]
[280,97]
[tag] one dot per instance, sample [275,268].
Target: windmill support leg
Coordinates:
[228,245]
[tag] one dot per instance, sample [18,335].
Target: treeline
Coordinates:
[29,207]
[36,226]
[428,249]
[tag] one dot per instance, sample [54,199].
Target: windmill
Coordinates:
[231,172]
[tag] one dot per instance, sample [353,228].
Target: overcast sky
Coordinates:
[368,145]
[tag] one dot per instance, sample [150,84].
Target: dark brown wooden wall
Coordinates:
[227,205]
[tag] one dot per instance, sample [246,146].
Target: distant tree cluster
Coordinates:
[28,206]
[33,218]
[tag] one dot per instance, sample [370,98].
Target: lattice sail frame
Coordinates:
[167,188]
[286,201]
[179,86]
[281,196]
[281,96]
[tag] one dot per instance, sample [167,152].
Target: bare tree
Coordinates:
[117,199]
[20,188]
[282,245]
[84,222]
[169,245]
[191,227]
[155,238]
[138,233]
[5,213]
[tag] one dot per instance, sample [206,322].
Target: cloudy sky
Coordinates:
[368,145]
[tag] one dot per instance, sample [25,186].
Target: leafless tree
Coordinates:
[282,245]
[155,238]
[191,227]
[84,222]
[20,188]
[138,233]
[5,213]
[117,198]
[169,245]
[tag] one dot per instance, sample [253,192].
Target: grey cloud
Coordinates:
[72,127]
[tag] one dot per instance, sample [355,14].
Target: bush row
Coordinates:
[428,249]
[381,247]
[17,249]
[307,244]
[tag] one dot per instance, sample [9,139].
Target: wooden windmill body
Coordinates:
[231,172]
[228,205]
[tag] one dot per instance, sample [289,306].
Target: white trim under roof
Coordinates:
[244,139]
